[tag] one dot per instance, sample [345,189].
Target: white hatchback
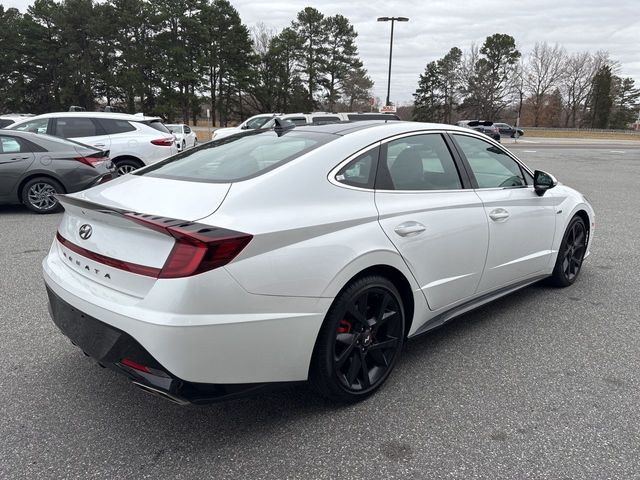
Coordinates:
[132,140]
[303,253]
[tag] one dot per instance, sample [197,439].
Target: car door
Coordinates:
[15,159]
[85,130]
[438,226]
[521,223]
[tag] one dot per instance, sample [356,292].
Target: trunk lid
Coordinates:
[100,239]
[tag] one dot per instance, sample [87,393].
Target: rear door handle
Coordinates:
[409,229]
[499,214]
[20,158]
[98,144]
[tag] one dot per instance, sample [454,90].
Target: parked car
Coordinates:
[483,126]
[134,140]
[11,118]
[273,260]
[35,167]
[506,129]
[299,119]
[185,137]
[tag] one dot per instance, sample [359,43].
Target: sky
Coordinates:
[437,25]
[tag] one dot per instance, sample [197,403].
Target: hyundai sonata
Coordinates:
[303,253]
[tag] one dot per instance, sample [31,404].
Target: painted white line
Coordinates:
[529,151]
[616,151]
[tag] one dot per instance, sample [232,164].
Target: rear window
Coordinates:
[238,157]
[4,122]
[157,125]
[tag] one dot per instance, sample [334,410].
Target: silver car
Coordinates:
[35,167]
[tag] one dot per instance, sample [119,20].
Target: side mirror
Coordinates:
[244,127]
[543,181]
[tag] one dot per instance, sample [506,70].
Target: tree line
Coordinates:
[171,57]
[549,87]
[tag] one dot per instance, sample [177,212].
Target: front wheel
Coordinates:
[570,254]
[360,340]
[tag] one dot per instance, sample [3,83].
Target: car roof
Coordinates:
[394,127]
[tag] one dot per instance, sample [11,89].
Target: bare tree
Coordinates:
[542,75]
[576,84]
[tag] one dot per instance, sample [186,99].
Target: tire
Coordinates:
[570,254]
[126,166]
[360,340]
[37,195]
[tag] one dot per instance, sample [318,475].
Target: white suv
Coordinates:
[300,119]
[133,140]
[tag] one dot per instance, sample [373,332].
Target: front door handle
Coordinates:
[20,158]
[98,144]
[409,229]
[499,214]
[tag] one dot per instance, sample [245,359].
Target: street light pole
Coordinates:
[392,20]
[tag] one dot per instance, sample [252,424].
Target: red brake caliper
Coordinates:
[344,326]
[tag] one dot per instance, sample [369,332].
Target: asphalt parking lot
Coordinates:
[543,384]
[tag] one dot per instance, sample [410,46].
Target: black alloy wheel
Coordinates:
[571,254]
[360,341]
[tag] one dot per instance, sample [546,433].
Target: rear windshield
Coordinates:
[157,125]
[238,157]
[354,117]
[4,122]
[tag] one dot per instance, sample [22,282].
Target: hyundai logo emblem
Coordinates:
[85,231]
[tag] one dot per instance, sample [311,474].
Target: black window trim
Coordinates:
[467,166]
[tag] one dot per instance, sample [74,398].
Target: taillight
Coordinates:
[91,161]
[198,248]
[163,142]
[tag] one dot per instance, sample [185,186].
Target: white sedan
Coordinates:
[185,136]
[303,253]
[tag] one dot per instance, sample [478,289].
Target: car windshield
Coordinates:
[238,157]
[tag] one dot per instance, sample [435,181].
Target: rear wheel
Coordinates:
[570,254]
[38,195]
[360,340]
[126,165]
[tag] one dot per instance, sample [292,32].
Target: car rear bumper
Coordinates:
[195,333]
[110,346]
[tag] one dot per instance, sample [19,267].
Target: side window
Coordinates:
[73,127]
[187,130]
[324,120]
[10,145]
[111,126]
[420,162]
[257,122]
[34,126]
[491,166]
[298,121]
[361,171]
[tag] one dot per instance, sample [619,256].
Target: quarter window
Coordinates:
[113,127]
[420,162]
[360,172]
[490,165]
